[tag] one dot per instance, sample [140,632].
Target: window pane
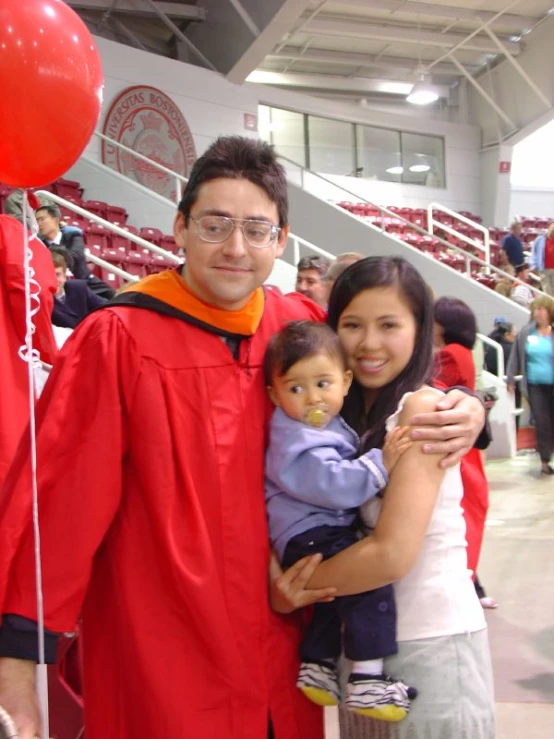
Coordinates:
[379,153]
[285,130]
[331,146]
[423,160]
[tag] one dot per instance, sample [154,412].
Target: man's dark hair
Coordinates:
[457,320]
[385,272]
[299,340]
[52,210]
[236,158]
[61,254]
[320,264]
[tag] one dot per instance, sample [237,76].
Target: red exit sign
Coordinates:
[504,167]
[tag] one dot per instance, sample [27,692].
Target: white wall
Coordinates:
[462,142]
[532,202]
[213,106]
[210,104]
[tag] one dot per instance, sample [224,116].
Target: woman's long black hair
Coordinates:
[385,272]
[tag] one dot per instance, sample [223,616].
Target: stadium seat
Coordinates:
[98,207]
[153,235]
[98,236]
[116,214]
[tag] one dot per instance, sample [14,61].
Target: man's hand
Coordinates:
[453,428]
[287,590]
[18,696]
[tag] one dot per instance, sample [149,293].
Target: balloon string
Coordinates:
[32,357]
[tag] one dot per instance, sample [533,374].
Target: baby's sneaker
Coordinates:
[319,682]
[379,696]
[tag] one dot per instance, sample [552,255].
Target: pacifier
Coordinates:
[317,417]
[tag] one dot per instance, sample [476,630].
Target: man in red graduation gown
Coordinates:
[151,434]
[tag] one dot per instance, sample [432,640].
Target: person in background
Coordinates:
[512,245]
[338,266]
[13,206]
[73,300]
[533,358]
[542,258]
[454,335]
[522,294]
[70,237]
[310,278]
[504,284]
[503,333]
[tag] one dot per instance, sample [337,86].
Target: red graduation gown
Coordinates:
[14,403]
[151,452]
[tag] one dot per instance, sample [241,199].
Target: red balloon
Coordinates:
[51,85]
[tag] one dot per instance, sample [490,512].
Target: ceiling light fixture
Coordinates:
[420,168]
[395,170]
[423,92]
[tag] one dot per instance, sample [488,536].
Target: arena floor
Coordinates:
[517,568]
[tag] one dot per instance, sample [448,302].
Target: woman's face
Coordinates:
[378,331]
[542,316]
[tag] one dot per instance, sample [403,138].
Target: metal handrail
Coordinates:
[110,267]
[297,240]
[115,229]
[500,369]
[180,179]
[462,252]
[486,246]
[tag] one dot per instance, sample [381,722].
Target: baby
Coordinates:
[315,482]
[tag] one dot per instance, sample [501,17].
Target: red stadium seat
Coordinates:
[98,236]
[98,207]
[137,263]
[154,235]
[116,214]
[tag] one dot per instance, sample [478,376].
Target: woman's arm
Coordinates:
[393,548]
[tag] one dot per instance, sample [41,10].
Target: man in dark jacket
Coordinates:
[74,299]
[511,243]
[70,237]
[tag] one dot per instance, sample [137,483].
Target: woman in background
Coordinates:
[455,331]
[533,359]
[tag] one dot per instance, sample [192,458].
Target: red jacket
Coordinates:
[151,466]
[14,405]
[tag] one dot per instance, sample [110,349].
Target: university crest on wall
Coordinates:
[147,121]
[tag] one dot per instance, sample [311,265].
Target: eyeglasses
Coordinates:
[217,229]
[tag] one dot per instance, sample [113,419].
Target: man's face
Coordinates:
[516,230]
[550,231]
[310,282]
[225,275]
[60,279]
[48,226]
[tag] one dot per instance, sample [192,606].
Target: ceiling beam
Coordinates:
[284,19]
[452,13]
[182,11]
[350,58]
[401,34]
[361,85]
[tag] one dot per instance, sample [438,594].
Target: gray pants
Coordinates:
[453,676]
[548,281]
[541,400]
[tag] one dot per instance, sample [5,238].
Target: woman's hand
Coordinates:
[453,427]
[287,590]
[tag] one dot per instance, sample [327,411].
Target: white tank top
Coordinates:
[437,597]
